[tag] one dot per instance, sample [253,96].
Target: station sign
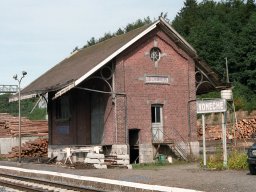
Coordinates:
[211,106]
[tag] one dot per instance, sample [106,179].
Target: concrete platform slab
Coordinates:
[86,181]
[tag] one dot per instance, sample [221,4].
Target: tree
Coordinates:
[247,52]
[26,107]
[187,18]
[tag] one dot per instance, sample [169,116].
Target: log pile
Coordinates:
[9,126]
[245,129]
[30,149]
[212,132]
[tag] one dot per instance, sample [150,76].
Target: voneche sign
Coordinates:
[211,106]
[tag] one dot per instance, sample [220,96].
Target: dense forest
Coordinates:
[226,29]
[220,31]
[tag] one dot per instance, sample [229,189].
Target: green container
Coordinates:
[161,158]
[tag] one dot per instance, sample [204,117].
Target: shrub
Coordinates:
[237,160]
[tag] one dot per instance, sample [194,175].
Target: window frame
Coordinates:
[155,54]
[157,113]
[62,108]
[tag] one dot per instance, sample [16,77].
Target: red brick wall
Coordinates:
[130,71]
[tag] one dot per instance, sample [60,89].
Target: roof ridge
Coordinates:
[115,36]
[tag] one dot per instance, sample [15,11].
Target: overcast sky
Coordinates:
[35,35]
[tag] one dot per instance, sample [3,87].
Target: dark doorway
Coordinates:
[134,145]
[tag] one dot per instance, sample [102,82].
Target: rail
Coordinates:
[34,185]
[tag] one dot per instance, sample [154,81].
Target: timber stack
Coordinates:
[9,126]
[244,129]
[35,148]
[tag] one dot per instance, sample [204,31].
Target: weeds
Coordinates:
[237,160]
[157,164]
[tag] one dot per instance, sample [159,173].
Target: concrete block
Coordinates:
[93,161]
[146,153]
[195,148]
[95,156]
[129,166]
[123,162]
[126,157]
[100,166]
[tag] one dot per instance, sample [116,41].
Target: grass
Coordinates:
[2,158]
[156,165]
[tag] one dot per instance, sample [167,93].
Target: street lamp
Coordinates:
[19,81]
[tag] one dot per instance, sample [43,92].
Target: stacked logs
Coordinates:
[9,126]
[35,148]
[212,132]
[244,129]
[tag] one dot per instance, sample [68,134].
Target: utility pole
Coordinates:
[227,69]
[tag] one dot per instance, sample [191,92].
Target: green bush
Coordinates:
[244,98]
[237,160]
[37,114]
[26,106]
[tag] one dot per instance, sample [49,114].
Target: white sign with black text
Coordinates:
[211,106]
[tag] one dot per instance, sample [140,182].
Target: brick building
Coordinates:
[133,94]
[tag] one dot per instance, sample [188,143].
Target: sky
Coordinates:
[35,35]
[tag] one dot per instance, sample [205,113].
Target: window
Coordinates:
[157,123]
[156,113]
[155,54]
[63,107]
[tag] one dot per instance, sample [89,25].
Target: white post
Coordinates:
[204,144]
[19,127]
[224,139]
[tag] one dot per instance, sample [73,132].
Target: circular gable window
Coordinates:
[155,54]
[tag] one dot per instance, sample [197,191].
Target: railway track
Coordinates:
[33,185]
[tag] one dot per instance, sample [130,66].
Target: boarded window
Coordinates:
[63,107]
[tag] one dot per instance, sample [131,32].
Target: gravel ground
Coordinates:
[185,176]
